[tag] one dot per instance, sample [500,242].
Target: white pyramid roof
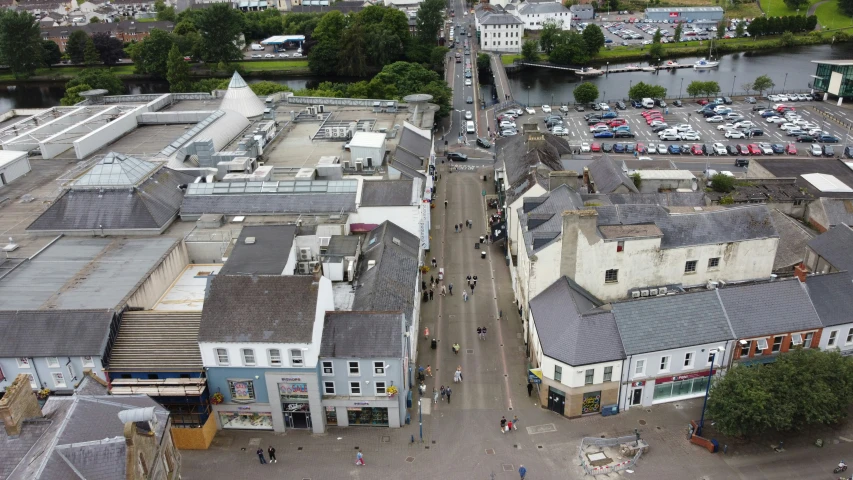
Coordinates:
[117,170]
[241,99]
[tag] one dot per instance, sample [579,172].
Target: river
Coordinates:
[791,68]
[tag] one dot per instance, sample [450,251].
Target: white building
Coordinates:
[499,31]
[536,15]
[13,165]
[368,148]
[832,296]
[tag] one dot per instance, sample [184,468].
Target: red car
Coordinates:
[702,102]
[742,149]
[649,113]
[595,147]
[618,121]
[780,108]
[754,150]
[791,149]
[696,150]
[641,148]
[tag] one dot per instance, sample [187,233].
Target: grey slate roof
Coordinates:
[542,216]
[674,321]
[608,176]
[528,8]
[767,308]
[568,332]
[836,246]
[44,333]
[413,149]
[408,159]
[268,204]
[259,308]
[527,164]
[268,254]
[343,245]
[665,199]
[838,210]
[387,193]
[407,171]
[362,335]
[832,297]
[500,19]
[151,206]
[793,238]
[392,283]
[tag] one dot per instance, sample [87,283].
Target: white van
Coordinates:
[257,46]
[469,127]
[648,103]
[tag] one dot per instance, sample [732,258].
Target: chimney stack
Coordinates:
[18,404]
[563,177]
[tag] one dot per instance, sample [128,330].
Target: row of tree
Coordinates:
[565,47]
[777,25]
[697,88]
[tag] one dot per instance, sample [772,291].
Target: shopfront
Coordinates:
[680,387]
[244,418]
[367,416]
[378,412]
[294,403]
[591,403]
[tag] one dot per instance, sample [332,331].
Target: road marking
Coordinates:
[546,428]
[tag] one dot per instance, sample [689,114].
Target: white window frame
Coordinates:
[249,358]
[747,346]
[384,387]
[331,366]
[781,339]
[357,385]
[274,355]
[558,372]
[327,386]
[796,339]
[23,362]
[807,340]
[350,373]
[61,380]
[640,368]
[52,362]
[665,363]
[88,361]
[253,397]
[379,369]
[297,359]
[761,345]
[833,336]
[849,336]
[586,375]
[219,353]
[688,359]
[608,374]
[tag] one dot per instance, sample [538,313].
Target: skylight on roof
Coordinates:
[827,183]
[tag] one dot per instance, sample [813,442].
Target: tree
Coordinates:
[484,62]
[739,29]
[164,12]
[655,53]
[76,45]
[846,6]
[586,92]
[88,79]
[90,53]
[711,88]
[803,387]
[330,27]
[20,43]
[796,4]
[762,83]
[177,71]
[570,49]
[150,55]
[676,35]
[657,36]
[746,86]
[637,179]
[593,37]
[50,53]
[548,36]
[757,27]
[94,20]
[722,183]
[323,59]
[72,95]
[386,35]
[787,40]
[429,21]
[644,90]
[110,49]
[811,22]
[721,29]
[438,56]
[530,51]
[220,27]
[351,57]
[695,88]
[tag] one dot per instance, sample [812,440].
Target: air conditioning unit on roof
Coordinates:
[635,294]
[661,290]
[304,254]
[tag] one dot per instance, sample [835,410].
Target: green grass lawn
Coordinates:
[274,65]
[145,20]
[509,59]
[830,16]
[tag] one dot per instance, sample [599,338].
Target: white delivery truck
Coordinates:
[257,47]
[648,103]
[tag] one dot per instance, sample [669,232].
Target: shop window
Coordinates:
[23,362]
[376,417]
[329,388]
[640,368]
[713,263]
[833,336]
[688,360]
[354,369]
[558,373]
[246,420]
[52,362]
[328,368]
[611,276]
[248,356]
[690,266]
[380,388]
[58,380]
[379,368]
[296,358]
[744,348]
[221,356]
[88,362]
[275,357]
[664,363]
[355,388]
[242,390]
[591,402]
[777,343]
[608,374]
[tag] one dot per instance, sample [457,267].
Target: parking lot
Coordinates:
[641,33]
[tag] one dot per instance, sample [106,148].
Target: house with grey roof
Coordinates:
[536,15]
[500,30]
[832,297]
[399,201]
[605,176]
[582,12]
[260,339]
[363,355]
[263,250]
[575,350]
[831,251]
[670,343]
[825,213]
[340,257]
[415,150]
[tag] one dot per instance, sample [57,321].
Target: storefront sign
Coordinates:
[638,384]
[364,404]
[673,14]
[293,388]
[687,376]
[243,409]
[291,379]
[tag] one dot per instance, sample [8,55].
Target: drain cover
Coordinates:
[470,350]
[642,422]
[386,439]
[490,451]
[410,459]
[507,468]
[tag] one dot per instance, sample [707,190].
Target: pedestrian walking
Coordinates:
[450,289]
[509,426]
[359,459]
[423,285]
[522,471]
[431,279]
[515,422]
[529,389]
[480,333]
[443,393]
[473,284]
[434,263]
[445,204]
[261,456]
[459,369]
[426,333]
[434,395]
[431,291]
[271,451]
[465,296]
[448,394]
[503,424]
[443,291]
[484,333]
[429,371]
[456,227]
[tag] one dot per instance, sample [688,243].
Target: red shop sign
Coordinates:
[687,376]
[673,14]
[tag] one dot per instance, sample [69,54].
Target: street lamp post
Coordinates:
[681,88]
[658,69]
[733,86]
[528,95]
[714,352]
[608,69]
[421,420]
[785,82]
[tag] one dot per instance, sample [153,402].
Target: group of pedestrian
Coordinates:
[509,425]
[445,393]
[481,333]
[271,452]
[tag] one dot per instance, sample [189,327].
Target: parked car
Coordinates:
[731,149]
[585,147]
[731,134]
[750,99]
[778,148]
[691,136]
[827,139]
[677,103]
[815,150]
[674,149]
[742,149]
[662,148]
[741,162]
[697,150]
[604,134]
[753,149]
[484,142]
[828,151]
[546,108]
[579,108]
[765,148]
[595,147]
[620,105]
[457,157]
[530,111]
[606,147]
[791,149]
[848,151]
[720,149]
[714,119]
[805,139]
[619,148]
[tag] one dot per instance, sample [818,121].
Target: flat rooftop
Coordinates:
[187,292]
[797,167]
[141,142]
[193,105]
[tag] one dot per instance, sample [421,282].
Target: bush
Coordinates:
[722,183]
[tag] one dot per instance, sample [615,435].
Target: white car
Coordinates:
[564,108]
[725,126]
[505,124]
[269,55]
[766,148]
[735,134]
[560,131]
[282,55]
[746,124]
[468,115]
[775,120]
[788,126]
[645,158]
[815,131]
[656,123]
[530,111]
[546,108]
[720,149]
[604,107]
[683,127]
[783,98]
[598,128]
[714,119]
[584,147]
[257,55]
[467,82]
[662,149]
[803,97]
[296,55]
[668,135]
[652,148]
[691,136]
[815,150]
[773,98]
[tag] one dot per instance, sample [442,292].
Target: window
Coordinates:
[354,388]
[833,335]
[664,363]
[248,356]
[379,368]
[221,356]
[558,373]
[590,374]
[711,357]
[88,362]
[329,388]
[796,339]
[690,266]
[23,362]
[608,374]
[296,358]
[713,263]
[611,276]
[275,357]
[58,380]
[744,348]
[241,390]
[328,369]
[807,343]
[777,343]
[688,360]
[640,368]
[380,388]
[850,335]
[620,246]
[354,369]
[52,362]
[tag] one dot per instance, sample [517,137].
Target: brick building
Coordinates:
[128,31]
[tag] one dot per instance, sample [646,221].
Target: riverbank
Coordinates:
[253,69]
[700,49]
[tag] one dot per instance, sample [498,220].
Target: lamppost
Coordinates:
[681,88]
[658,69]
[528,95]
[733,86]
[714,352]
[608,69]
[785,82]
[421,420]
